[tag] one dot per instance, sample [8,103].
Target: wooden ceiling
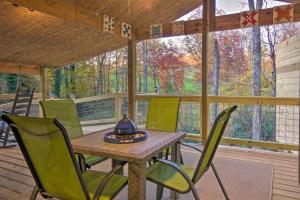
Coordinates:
[36,38]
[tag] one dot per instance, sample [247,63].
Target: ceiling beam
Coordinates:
[12,68]
[222,23]
[70,11]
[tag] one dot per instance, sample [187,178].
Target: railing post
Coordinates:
[118,107]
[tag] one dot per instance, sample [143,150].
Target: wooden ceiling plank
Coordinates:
[72,12]
[44,39]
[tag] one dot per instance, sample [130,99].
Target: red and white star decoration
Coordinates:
[283,14]
[249,18]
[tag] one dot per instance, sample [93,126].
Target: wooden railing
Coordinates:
[37,97]
[192,99]
[211,100]
[239,101]
[117,104]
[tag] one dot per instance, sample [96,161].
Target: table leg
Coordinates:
[137,181]
[159,188]
[175,157]
[115,163]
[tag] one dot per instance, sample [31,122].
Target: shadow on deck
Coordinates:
[280,175]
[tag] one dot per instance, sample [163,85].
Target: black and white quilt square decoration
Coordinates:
[178,28]
[126,30]
[108,24]
[156,31]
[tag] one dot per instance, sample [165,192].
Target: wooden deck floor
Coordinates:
[16,181]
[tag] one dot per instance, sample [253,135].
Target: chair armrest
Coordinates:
[106,179]
[174,166]
[81,161]
[190,146]
[79,154]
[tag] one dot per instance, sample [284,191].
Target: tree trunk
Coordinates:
[216,78]
[108,74]
[175,87]
[140,83]
[126,69]
[104,75]
[145,65]
[272,46]
[155,80]
[123,69]
[117,74]
[66,81]
[272,35]
[100,64]
[256,68]
[72,80]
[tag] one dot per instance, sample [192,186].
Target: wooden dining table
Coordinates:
[136,154]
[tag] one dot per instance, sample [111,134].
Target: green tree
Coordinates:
[28,82]
[58,82]
[12,82]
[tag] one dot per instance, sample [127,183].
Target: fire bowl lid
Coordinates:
[113,138]
[125,127]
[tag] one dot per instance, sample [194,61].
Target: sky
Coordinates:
[235,6]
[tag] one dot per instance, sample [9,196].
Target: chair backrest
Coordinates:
[65,111]
[22,102]
[47,150]
[212,142]
[163,114]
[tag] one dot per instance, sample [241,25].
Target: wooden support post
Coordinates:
[208,22]
[42,88]
[212,15]
[42,83]
[132,79]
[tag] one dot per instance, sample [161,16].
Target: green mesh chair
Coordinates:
[65,111]
[47,150]
[181,178]
[163,116]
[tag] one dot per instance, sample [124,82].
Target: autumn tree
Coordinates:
[170,68]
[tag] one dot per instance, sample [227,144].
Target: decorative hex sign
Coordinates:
[126,30]
[249,18]
[108,24]
[283,14]
[156,31]
[178,28]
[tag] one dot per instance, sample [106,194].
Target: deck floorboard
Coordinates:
[16,181]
